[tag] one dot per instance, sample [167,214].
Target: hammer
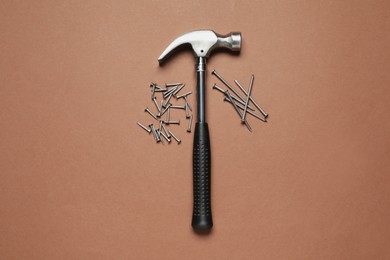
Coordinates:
[203,43]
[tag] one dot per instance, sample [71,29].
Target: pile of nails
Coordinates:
[241,104]
[161,131]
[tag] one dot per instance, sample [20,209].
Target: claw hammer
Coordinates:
[203,43]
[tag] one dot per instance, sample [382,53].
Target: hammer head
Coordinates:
[203,42]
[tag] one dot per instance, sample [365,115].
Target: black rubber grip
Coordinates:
[201,216]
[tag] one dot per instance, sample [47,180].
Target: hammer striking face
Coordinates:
[202,42]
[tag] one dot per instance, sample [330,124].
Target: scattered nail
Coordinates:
[254,102]
[189,125]
[150,113]
[184,95]
[188,103]
[144,127]
[178,107]
[174,137]
[247,99]
[172,84]
[238,111]
[176,122]
[227,85]
[249,112]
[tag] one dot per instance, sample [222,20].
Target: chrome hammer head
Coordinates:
[203,42]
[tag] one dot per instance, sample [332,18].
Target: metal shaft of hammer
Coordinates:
[201,89]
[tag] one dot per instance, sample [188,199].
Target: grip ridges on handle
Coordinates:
[202,218]
[201,182]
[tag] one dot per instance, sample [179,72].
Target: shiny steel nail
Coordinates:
[159,129]
[144,127]
[153,85]
[168,115]
[238,111]
[176,122]
[184,95]
[178,89]
[189,125]
[154,133]
[150,113]
[233,97]
[166,94]
[187,111]
[249,112]
[247,99]
[227,85]
[188,103]
[155,102]
[174,137]
[167,101]
[179,107]
[161,106]
[252,99]
[166,137]
[165,110]
[172,84]
[160,90]
[166,131]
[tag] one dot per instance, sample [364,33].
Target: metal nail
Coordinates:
[189,125]
[161,106]
[155,102]
[166,94]
[150,113]
[179,107]
[166,137]
[167,101]
[252,99]
[154,133]
[188,103]
[159,128]
[165,110]
[178,90]
[174,137]
[235,98]
[168,115]
[153,85]
[249,112]
[247,99]
[238,111]
[172,84]
[184,95]
[227,85]
[160,90]
[176,122]
[187,111]
[166,131]
[144,127]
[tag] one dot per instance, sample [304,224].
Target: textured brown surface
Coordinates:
[80,180]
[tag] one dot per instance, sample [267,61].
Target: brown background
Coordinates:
[80,180]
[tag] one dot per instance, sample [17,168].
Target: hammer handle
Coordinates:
[201,217]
